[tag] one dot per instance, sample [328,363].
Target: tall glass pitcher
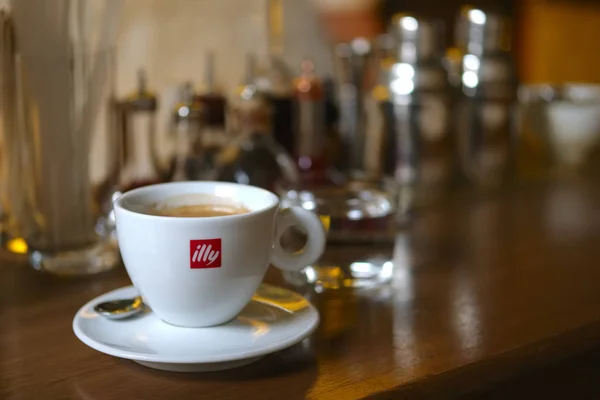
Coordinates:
[59,122]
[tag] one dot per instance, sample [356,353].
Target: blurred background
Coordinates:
[360,110]
[553,38]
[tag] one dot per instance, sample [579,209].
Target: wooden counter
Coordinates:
[485,293]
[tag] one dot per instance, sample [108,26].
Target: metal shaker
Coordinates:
[487,98]
[352,60]
[419,146]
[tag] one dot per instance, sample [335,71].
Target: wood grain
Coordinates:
[485,288]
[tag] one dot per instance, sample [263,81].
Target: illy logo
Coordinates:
[205,253]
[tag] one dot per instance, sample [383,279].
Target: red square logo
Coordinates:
[205,253]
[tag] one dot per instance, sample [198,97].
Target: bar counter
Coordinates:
[493,296]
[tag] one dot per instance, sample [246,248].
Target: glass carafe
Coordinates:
[61,123]
[254,157]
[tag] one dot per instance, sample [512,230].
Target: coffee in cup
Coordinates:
[198,210]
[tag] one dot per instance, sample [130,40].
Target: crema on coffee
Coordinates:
[198,210]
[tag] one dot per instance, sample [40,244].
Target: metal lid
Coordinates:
[482,31]
[417,38]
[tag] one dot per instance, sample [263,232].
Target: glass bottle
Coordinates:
[278,80]
[188,161]
[254,157]
[214,133]
[310,124]
[244,92]
[333,145]
[138,119]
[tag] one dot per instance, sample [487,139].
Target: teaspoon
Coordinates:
[121,308]
[266,294]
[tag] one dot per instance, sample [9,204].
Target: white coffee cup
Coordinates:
[202,271]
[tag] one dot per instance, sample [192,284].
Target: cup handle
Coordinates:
[315,242]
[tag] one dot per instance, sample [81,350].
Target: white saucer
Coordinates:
[276,318]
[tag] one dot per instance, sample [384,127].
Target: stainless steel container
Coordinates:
[485,117]
[351,67]
[419,147]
